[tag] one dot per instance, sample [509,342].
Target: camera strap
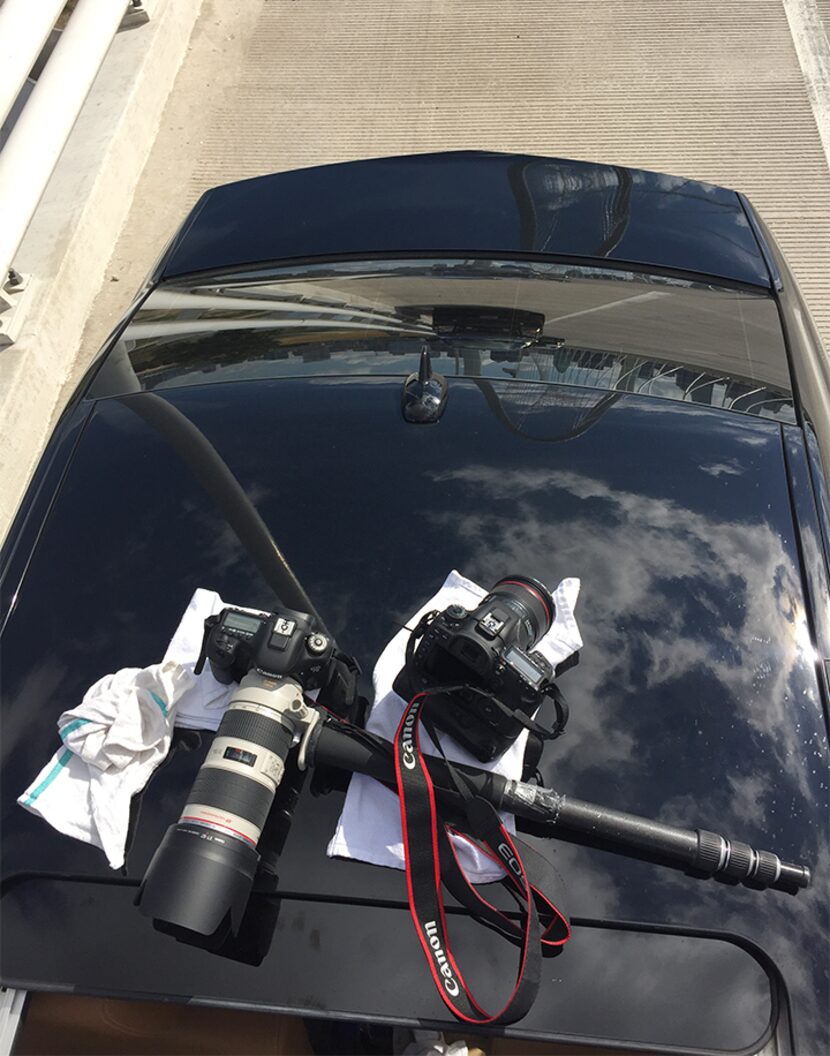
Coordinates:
[431,859]
[552,693]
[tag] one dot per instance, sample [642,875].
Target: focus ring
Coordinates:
[249,726]
[232,793]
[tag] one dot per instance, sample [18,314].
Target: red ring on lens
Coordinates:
[535,592]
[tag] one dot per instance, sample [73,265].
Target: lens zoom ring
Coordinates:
[248,726]
[233,793]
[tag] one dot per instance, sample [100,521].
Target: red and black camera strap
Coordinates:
[431,860]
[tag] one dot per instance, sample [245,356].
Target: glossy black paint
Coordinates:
[813,562]
[810,366]
[471,202]
[28,521]
[386,963]
[695,700]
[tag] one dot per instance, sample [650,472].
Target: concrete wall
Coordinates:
[71,238]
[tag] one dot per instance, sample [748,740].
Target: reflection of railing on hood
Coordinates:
[588,406]
[622,372]
[619,213]
[210,313]
[589,382]
[546,193]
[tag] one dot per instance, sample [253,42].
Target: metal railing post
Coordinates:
[40,133]
[24,29]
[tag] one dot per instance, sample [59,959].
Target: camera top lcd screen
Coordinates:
[238,621]
[526,669]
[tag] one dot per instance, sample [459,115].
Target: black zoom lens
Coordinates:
[201,875]
[536,603]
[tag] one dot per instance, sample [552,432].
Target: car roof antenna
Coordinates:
[424,395]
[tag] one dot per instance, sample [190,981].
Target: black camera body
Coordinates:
[284,644]
[485,661]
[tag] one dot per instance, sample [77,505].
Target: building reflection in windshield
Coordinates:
[603,328]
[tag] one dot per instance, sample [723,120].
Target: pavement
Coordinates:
[737,93]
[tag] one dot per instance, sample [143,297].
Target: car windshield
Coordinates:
[601,328]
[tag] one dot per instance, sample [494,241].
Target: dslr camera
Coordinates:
[484,678]
[202,873]
[279,644]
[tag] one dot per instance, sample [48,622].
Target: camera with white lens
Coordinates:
[201,876]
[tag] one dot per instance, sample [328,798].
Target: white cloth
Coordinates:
[370,825]
[113,741]
[433,1043]
[118,735]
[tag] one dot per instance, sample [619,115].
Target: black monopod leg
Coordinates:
[693,849]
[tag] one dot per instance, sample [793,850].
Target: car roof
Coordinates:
[472,202]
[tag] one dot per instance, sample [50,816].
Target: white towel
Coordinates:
[112,743]
[118,735]
[370,825]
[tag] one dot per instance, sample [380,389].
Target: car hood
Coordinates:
[695,697]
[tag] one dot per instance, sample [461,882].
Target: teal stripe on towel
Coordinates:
[65,756]
[160,702]
[70,726]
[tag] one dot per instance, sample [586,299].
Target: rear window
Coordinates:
[600,328]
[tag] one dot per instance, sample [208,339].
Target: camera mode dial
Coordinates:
[317,644]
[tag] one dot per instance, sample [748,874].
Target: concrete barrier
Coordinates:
[70,240]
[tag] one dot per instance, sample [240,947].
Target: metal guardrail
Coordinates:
[11,1013]
[24,29]
[39,134]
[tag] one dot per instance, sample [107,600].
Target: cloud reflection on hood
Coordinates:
[758,653]
[655,575]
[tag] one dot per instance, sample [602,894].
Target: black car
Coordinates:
[635,396]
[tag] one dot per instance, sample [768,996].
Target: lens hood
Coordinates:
[198,879]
